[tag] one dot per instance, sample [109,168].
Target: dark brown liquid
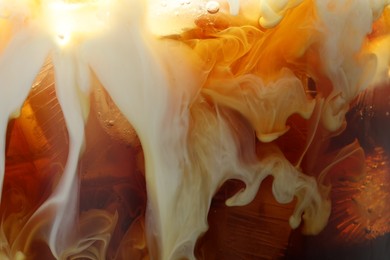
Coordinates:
[112,178]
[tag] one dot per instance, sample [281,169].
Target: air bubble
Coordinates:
[368,230]
[212,7]
[163,3]
[109,123]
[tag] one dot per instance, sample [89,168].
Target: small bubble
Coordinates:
[109,123]
[387,113]
[185,2]
[163,4]
[212,7]
[368,230]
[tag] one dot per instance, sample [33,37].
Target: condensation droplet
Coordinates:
[212,7]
